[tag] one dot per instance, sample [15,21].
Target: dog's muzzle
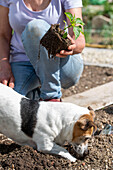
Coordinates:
[80,150]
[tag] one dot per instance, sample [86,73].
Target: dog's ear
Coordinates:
[90,108]
[85,124]
[91,111]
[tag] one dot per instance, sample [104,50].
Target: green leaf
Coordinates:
[76,31]
[81,30]
[79,21]
[69,15]
[73,22]
[65,35]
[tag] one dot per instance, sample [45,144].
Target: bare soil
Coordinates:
[100,157]
[92,76]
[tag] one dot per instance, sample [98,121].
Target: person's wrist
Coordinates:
[4,60]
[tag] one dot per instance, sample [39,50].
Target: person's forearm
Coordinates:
[5,34]
[6,76]
[4,48]
[80,43]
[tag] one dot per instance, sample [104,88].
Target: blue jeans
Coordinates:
[51,74]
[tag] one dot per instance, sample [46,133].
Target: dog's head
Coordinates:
[83,130]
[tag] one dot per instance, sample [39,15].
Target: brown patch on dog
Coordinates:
[84,127]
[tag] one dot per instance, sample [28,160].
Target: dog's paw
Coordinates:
[73,159]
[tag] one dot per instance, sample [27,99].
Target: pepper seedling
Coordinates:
[75,23]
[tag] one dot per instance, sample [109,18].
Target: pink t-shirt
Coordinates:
[20,15]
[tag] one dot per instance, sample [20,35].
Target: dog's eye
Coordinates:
[86,138]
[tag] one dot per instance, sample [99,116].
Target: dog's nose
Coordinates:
[86,152]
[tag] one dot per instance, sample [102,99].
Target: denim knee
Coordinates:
[72,81]
[31,36]
[37,27]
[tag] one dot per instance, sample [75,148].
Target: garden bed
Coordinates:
[13,156]
[92,76]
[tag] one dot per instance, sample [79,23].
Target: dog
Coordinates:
[45,125]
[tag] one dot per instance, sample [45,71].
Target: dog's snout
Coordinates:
[81,150]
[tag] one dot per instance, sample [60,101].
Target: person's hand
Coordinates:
[76,47]
[6,76]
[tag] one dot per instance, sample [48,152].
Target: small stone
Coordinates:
[83,163]
[106,166]
[12,166]
[106,160]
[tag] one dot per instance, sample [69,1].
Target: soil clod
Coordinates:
[53,40]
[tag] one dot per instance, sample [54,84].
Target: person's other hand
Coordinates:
[6,75]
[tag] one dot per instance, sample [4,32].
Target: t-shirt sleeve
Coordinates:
[4,3]
[68,4]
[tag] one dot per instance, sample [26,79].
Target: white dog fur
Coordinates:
[42,125]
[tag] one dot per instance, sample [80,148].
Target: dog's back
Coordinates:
[19,112]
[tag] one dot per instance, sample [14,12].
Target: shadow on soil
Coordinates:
[5,149]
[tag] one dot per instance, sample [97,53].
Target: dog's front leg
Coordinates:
[58,150]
